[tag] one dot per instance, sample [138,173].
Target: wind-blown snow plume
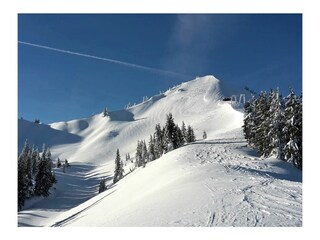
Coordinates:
[127,64]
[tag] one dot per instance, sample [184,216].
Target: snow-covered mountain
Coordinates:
[212,182]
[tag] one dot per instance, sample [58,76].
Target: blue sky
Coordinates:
[260,51]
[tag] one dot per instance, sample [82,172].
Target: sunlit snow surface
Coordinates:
[212,182]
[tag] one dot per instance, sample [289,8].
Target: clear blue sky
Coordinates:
[260,51]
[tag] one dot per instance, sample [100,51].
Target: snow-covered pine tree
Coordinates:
[249,122]
[171,137]
[45,177]
[34,161]
[180,138]
[293,129]
[151,149]
[275,140]
[139,154]
[158,141]
[118,171]
[261,108]
[190,135]
[144,153]
[184,131]
[23,182]
[298,115]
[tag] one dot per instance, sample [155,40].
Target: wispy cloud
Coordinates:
[195,37]
[114,61]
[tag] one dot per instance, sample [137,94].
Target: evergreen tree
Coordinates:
[275,128]
[66,163]
[34,160]
[275,141]
[118,172]
[144,153]
[248,122]
[151,149]
[184,131]
[105,112]
[59,164]
[45,177]
[139,154]
[260,127]
[204,135]
[171,136]
[180,138]
[293,129]
[158,141]
[190,135]
[127,157]
[102,185]
[23,181]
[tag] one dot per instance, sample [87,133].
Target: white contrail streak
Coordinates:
[160,71]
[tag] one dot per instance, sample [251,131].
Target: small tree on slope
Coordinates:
[118,172]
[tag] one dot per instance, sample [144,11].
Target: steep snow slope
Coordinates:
[184,187]
[212,183]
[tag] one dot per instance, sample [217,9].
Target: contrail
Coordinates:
[132,65]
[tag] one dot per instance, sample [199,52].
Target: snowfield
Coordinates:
[218,181]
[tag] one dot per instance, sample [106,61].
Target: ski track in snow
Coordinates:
[255,194]
[240,192]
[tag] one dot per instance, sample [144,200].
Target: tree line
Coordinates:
[35,175]
[164,139]
[273,125]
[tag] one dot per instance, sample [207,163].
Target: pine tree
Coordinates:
[171,136]
[190,135]
[118,172]
[59,164]
[34,160]
[293,129]
[275,140]
[23,181]
[102,185]
[184,131]
[45,177]
[105,112]
[144,153]
[158,141]
[249,122]
[139,154]
[260,127]
[151,149]
[204,135]
[180,138]
[66,163]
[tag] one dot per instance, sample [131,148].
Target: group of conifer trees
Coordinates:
[35,175]
[163,140]
[273,126]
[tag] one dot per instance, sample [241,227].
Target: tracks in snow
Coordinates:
[244,191]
